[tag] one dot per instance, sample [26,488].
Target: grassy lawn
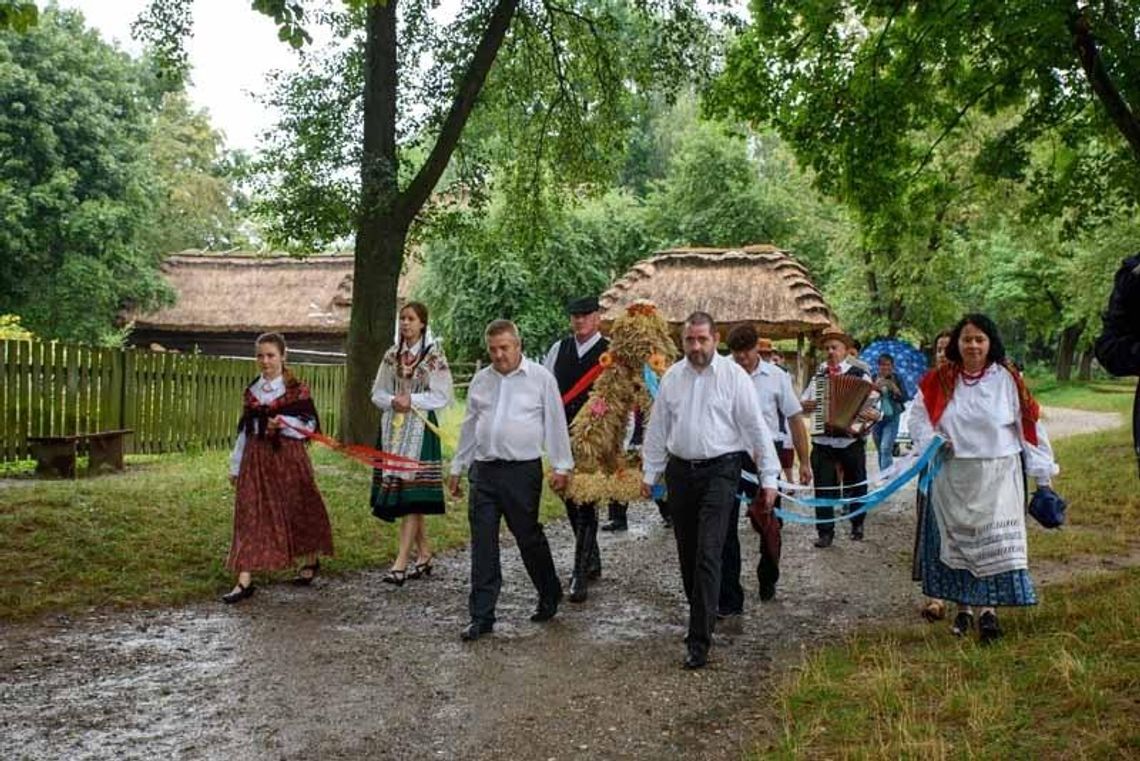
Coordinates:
[1063,683]
[159,532]
[1096,396]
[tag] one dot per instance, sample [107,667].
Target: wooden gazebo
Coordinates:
[757,284]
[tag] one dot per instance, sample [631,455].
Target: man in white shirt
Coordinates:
[705,418]
[837,451]
[514,412]
[778,404]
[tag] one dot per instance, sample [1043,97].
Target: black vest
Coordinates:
[569,368]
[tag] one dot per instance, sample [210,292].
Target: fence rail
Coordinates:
[171,401]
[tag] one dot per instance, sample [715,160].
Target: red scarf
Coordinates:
[938,388]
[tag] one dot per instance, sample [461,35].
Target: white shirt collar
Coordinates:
[277,382]
[522,368]
[415,348]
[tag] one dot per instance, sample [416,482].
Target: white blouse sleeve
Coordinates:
[1039,462]
[919,425]
[235,456]
[439,393]
[385,380]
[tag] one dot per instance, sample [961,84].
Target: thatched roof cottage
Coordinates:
[758,284]
[223,301]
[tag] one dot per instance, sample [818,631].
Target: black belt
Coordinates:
[695,464]
[507,463]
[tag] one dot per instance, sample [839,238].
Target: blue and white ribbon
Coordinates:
[927,464]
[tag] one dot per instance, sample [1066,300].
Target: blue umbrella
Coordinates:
[910,363]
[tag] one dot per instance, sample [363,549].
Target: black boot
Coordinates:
[578,516]
[618,520]
[589,527]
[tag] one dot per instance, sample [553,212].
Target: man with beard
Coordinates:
[704,420]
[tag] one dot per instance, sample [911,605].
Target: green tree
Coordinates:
[903,108]
[198,205]
[564,77]
[76,186]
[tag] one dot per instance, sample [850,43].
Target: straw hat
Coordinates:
[832,333]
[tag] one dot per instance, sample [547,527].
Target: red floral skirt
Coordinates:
[279,514]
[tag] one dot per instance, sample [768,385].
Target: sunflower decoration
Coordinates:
[603,471]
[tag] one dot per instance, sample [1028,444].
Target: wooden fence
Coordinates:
[171,401]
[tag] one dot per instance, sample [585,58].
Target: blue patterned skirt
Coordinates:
[945,583]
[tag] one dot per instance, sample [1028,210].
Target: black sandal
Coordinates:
[238,594]
[421,569]
[301,580]
[395,576]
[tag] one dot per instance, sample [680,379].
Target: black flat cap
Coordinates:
[584,305]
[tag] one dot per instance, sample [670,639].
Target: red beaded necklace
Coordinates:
[973,379]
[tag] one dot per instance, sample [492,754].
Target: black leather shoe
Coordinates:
[767,590]
[546,609]
[238,594]
[696,659]
[616,526]
[988,629]
[475,630]
[577,589]
[856,533]
[824,540]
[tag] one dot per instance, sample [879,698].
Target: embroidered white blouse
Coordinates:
[437,396]
[265,392]
[983,421]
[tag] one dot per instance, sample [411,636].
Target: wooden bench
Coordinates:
[56,454]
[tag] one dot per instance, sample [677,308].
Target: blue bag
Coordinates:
[1047,507]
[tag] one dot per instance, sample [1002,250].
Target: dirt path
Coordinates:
[353,668]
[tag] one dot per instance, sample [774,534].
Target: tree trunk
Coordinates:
[386,213]
[1085,371]
[1069,338]
[1101,83]
[380,233]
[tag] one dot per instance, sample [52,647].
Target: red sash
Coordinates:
[938,388]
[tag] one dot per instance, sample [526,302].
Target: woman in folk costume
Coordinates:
[973,548]
[279,515]
[413,380]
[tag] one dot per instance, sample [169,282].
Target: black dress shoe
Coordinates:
[696,659]
[546,609]
[577,589]
[238,594]
[767,590]
[616,526]
[475,630]
[856,533]
[824,540]
[988,629]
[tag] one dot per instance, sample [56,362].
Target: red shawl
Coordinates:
[938,387]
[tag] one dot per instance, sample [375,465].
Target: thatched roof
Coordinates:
[757,284]
[251,292]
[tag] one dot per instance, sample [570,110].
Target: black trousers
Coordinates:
[511,490]
[853,460]
[701,498]
[731,598]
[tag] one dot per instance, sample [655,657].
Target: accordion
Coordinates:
[839,399]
